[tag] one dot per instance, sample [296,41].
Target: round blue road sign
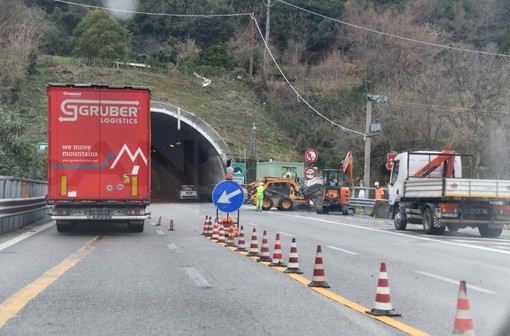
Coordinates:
[228,196]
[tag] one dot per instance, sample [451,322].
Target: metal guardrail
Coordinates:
[362,202]
[22,201]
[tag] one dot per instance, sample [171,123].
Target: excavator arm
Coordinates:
[347,168]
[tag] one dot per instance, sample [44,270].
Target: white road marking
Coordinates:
[160,232]
[172,247]
[436,240]
[26,235]
[197,277]
[455,282]
[253,224]
[342,250]
[285,234]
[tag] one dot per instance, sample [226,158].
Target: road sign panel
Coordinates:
[310,173]
[228,196]
[311,155]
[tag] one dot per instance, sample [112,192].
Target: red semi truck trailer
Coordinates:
[98,155]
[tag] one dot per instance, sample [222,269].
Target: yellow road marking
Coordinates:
[10,307]
[337,298]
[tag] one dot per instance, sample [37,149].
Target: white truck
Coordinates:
[427,188]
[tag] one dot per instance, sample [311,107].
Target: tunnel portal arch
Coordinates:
[185,150]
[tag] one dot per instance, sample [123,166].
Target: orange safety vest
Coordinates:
[379,193]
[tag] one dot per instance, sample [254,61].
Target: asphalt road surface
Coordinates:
[106,281]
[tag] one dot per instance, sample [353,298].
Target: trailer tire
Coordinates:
[136,227]
[399,219]
[453,227]
[285,204]
[485,231]
[267,204]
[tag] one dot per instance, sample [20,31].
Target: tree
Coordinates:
[18,157]
[100,35]
[21,30]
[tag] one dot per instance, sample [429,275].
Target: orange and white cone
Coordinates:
[221,234]
[230,237]
[293,264]
[159,221]
[241,244]
[382,297]
[264,250]
[463,324]
[209,227]
[318,271]
[216,233]
[206,226]
[277,253]
[254,245]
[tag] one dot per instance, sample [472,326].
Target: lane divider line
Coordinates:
[340,299]
[14,304]
[342,250]
[455,282]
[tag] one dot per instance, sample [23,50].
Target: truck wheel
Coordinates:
[64,226]
[267,204]
[485,231]
[429,223]
[399,219]
[285,204]
[453,227]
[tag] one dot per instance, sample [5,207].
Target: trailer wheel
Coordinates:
[485,231]
[267,204]
[135,227]
[285,204]
[345,210]
[64,226]
[399,219]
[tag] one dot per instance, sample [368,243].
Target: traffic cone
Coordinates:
[293,265]
[221,234]
[382,296]
[206,226]
[159,221]
[254,245]
[264,251]
[230,237]
[171,225]
[318,271]
[216,233]
[463,324]
[209,228]
[241,245]
[277,253]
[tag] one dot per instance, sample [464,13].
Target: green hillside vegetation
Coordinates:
[227,104]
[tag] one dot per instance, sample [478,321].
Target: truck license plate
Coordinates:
[99,217]
[99,214]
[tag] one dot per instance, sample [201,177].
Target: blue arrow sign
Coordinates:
[228,196]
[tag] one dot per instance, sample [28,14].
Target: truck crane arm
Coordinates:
[449,158]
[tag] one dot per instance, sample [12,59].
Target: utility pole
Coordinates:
[266,38]
[366,179]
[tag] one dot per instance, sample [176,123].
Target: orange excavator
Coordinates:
[334,194]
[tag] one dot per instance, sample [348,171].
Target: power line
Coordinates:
[456,109]
[392,35]
[299,97]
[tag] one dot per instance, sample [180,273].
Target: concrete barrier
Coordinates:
[381,208]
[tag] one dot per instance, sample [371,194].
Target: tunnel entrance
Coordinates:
[185,150]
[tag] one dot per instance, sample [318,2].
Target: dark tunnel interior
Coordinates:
[181,156]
